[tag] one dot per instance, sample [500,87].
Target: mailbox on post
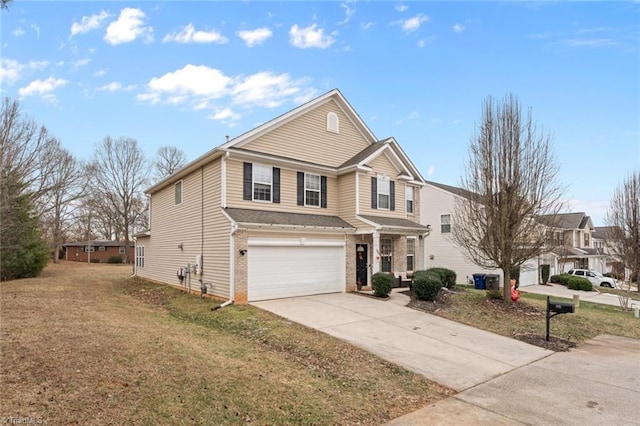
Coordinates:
[556,308]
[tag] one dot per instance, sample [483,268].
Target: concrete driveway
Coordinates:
[450,353]
[501,381]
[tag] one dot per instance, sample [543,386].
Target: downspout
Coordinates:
[234,228]
[203,288]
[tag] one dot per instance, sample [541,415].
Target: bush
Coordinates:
[114,259]
[94,260]
[447,276]
[382,284]
[562,279]
[546,271]
[426,285]
[579,283]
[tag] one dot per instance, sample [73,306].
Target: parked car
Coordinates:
[596,278]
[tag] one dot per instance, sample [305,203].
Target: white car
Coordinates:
[596,278]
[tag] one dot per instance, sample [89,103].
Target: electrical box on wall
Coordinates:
[198,264]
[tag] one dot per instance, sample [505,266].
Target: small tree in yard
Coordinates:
[509,181]
[623,220]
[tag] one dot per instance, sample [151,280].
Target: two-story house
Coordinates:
[309,202]
[437,209]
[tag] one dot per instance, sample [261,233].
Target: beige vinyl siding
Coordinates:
[288,192]
[347,197]
[306,138]
[381,164]
[172,225]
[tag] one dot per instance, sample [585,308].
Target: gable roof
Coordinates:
[452,189]
[105,243]
[567,220]
[395,223]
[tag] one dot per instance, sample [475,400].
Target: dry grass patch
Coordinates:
[77,348]
[526,319]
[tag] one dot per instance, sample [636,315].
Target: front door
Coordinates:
[362,265]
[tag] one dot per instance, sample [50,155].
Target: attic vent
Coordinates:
[333,125]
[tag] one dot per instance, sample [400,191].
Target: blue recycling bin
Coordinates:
[479,281]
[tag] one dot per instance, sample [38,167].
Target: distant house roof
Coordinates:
[601,232]
[568,220]
[274,218]
[452,189]
[104,243]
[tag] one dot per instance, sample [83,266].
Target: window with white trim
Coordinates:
[262,182]
[140,256]
[178,192]
[411,253]
[89,249]
[311,190]
[121,249]
[384,191]
[409,198]
[386,254]
[102,248]
[445,223]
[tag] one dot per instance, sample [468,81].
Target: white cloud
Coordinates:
[81,63]
[88,23]
[11,70]
[255,37]
[309,37]
[204,88]
[401,7]
[43,88]
[18,32]
[593,42]
[128,27]
[458,28]
[431,170]
[348,13]
[99,73]
[36,28]
[189,35]
[424,41]
[264,89]
[413,115]
[115,86]
[366,25]
[413,24]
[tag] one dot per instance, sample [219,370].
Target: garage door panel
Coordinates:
[276,272]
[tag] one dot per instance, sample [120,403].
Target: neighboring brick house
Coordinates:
[309,202]
[83,251]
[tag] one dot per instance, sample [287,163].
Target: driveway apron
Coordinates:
[452,354]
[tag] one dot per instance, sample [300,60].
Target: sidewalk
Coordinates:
[558,290]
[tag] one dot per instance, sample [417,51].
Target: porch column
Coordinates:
[376,252]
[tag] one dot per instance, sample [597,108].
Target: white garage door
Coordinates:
[289,268]
[529,274]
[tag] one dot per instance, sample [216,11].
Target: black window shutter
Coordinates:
[300,189]
[276,185]
[374,192]
[323,192]
[392,195]
[247,182]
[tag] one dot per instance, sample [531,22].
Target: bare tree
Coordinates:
[121,172]
[167,161]
[4,4]
[64,183]
[511,180]
[623,220]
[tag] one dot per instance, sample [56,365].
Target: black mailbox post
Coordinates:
[557,308]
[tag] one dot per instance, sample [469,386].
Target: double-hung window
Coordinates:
[178,192]
[386,244]
[262,182]
[445,223]
[140,256]
[384,191]
[311,190]
[409,197]
[411,252]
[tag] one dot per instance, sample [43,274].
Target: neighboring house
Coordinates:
[576,244]
[310,202]
[437,210]
[83,251]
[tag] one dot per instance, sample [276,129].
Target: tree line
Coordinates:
[49,197]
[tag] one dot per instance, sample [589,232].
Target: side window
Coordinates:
[409,198]
[386,254]
[581,273]
[311,190]
[262,182]
[384,191]
[445,223]
[140,256]
[178,192]
[411,251]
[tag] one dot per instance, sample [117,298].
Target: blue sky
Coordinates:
[189,73]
